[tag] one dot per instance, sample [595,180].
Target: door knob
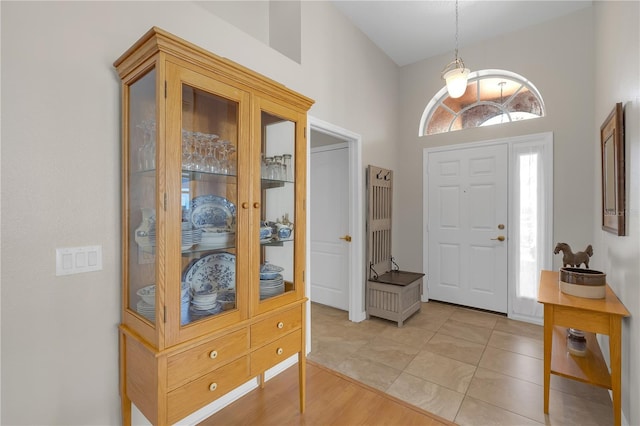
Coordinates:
[347,238]
[500,238]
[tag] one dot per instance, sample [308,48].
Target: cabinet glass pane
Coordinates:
[277,207]
[209,200]
[141,196]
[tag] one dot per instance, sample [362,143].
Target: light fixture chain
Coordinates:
[456,53]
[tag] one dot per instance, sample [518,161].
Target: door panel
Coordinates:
[467,201]
[330,221]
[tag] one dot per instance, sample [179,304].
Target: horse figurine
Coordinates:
[574,259]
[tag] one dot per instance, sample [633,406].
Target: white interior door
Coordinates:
[467,226]
[329,218]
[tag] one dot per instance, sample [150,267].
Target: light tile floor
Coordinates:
[468,366]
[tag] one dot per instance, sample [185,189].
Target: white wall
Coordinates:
[547,54]
[617,79]
[61,174]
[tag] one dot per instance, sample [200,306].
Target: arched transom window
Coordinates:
[492,97]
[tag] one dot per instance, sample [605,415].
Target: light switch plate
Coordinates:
[75,260]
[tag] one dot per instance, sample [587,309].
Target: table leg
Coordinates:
[615,338]
[548,339]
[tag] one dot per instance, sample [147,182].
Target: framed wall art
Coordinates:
[613,172]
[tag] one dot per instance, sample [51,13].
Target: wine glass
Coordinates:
[223,147]
[212,164]
[187,150]
[231,161]
[198,151]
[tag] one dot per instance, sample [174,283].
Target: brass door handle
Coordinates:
[347,238]
[500,238]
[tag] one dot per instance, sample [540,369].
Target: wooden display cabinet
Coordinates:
[198,317]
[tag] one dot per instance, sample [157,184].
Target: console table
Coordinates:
[604,316]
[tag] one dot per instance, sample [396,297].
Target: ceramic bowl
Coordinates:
[269,271]
[148,294]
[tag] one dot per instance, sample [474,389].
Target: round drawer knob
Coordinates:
[245,205]
[213,387]
[280,325]
[213,354]
[256,205]
[279,351]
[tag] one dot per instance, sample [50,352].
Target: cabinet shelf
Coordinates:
[205,176]
[590,368]
[195,249]
[272,183]
[276,242]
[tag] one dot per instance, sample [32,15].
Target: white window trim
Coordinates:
[438,99]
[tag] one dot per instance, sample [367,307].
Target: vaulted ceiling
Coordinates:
[409,31]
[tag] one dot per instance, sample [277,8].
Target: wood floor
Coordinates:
[332,399]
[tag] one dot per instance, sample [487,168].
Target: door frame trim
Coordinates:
[547,140]
[356,208]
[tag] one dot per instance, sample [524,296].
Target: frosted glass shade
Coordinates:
[456,81]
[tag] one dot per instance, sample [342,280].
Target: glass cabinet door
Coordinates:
[212,252]
[205,250]
[209,198]
[277,209]
[141,196]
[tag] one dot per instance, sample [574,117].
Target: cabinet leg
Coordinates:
[615,331]
[548,339]
[302,379]
[124,399]
[126,410]
[261,380]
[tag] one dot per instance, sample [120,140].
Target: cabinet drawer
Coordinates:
[189,365]
[275,352]
[195,395]
[275,326]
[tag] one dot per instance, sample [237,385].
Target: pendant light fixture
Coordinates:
[455,73]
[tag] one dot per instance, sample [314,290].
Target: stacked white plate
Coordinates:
[212,238]
[147,304]
[271,287]
[189,237]
[146,310]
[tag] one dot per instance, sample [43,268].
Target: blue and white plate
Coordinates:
[215,271]
[212,211]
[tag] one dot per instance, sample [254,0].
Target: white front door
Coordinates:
[329,217]
[467,226]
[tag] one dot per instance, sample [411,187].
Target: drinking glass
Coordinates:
[231,161]
[187,150]
[198,151]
